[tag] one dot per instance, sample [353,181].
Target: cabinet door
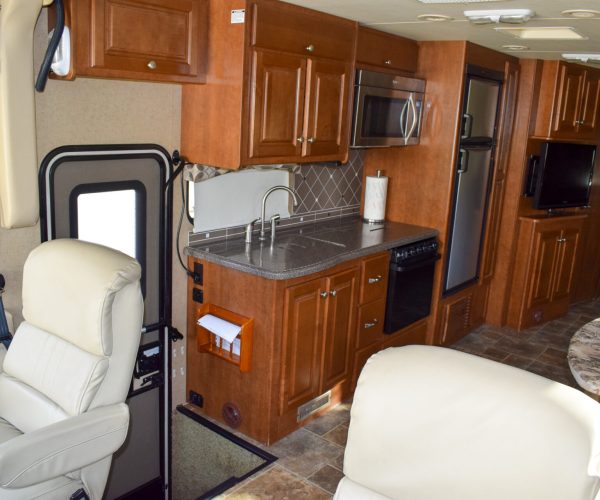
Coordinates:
[146,39]
[302,344]
[568,99]
[327,109]
[543,261]
[590,104]
[277,105]
[565,265]
[339,325]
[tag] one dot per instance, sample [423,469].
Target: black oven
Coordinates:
[410,284]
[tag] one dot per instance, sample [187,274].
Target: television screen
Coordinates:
[565,175]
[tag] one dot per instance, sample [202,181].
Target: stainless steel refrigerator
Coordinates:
[474,168]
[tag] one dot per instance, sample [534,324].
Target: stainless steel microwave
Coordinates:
[387,110]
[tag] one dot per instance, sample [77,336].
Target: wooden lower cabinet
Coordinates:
[319,319]
[461,313]
[545,268]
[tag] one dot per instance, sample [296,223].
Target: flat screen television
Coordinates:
[564,175]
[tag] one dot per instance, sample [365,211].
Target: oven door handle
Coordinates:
[414,265]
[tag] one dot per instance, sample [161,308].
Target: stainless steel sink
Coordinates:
[323,240]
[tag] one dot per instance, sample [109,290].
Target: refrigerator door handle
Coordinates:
[463,161]
[467,126]
[413,125]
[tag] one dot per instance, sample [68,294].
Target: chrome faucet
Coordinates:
[262,236]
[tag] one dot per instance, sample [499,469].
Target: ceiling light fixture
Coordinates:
[508,16]
[515,48]
[543,33]
[434,17]
[581,13]
[582,57]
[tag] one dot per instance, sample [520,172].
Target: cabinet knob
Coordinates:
[371,324]
[324,295]
[376,279]
[387,62]
[300,140]
[151,64]
[310,48]
[310,140]
[561,240]
[333,293]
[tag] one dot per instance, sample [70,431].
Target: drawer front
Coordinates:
[374,278]
[287,28]
[370,323]
[387,51]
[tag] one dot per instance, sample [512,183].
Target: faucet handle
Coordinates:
[249,228]
[274,220]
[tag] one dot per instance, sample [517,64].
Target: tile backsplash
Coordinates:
[324,192]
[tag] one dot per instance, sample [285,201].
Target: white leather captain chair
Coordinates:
[429,423]
[67,372]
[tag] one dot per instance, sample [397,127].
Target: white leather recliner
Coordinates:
[67,372]
[429,423]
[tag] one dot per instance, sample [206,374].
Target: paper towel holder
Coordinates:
[209,343]
[375,221]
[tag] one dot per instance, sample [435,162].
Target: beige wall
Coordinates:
[88,111]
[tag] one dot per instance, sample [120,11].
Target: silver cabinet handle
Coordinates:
[371,324]
[387,62]
[413,108]
[561,240]
[333,293]
[310,48]
[151,64]
[324,295]
[311,140]
[376,279]
[300,140]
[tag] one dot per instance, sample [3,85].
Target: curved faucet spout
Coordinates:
[264,203]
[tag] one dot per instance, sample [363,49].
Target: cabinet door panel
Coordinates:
[569,95]
[339,327]
[158,37]
[327,115]
[565,268]
[544,259]
[302,344]
[277,104]
[590,104]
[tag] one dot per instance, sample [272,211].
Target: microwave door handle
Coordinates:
[403,117]
[413,108]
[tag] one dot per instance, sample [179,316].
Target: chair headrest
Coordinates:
[69,287]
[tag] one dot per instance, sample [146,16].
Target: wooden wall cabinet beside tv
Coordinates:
[155,40]
[545,266]
[569,102]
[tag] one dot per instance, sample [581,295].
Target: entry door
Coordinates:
[117,196]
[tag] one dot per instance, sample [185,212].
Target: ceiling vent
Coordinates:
[584,58]
[507,16]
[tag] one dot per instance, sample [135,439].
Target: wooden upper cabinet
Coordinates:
[327,109]
[284,97]
[157,40]
[277,107]
[569,102]
[382,50]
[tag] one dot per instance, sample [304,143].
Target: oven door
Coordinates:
[385,117]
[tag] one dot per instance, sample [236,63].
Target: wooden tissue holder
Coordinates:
[211,343]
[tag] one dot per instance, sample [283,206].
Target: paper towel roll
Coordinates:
[375,196]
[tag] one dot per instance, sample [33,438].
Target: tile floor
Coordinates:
[311,459]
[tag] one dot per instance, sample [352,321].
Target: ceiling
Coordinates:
[400,17]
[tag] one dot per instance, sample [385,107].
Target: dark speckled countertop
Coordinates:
[309,248]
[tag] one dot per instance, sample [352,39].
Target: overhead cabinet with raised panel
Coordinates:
[155,40]
[278,87]
[378,50]
[569,102]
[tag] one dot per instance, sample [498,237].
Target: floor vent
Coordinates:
[307,409]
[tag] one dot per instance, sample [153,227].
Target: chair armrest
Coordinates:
[63,447]
[2,354]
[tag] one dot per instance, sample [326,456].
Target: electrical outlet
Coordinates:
[183,350]
[196,399]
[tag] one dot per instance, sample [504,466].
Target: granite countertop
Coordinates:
[584,356]
[309,248]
